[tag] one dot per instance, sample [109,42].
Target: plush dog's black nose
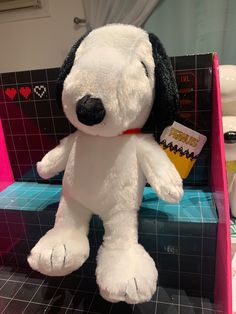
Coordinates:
[230,137]
[90,111]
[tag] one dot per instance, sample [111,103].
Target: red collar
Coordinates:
[131,131]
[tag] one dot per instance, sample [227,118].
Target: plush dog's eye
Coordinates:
[145,68]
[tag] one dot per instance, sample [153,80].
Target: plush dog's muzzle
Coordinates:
[90,111]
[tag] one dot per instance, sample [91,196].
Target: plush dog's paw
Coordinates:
[43,171]
[59,252]
[126,275]
[169,185]
[170,194]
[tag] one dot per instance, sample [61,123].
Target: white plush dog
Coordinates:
[115,81]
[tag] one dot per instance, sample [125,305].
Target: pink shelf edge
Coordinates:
[223,272]
[6,176]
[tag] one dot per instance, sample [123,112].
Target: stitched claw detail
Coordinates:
[51,260]
[136,285]
[64,260]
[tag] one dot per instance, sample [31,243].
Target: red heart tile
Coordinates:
[25,91]
[10,92]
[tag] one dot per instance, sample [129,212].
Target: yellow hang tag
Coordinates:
[182,145]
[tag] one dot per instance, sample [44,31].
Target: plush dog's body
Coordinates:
[106,170]
[102,172]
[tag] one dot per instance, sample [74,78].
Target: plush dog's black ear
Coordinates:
[65,70]
[166,99]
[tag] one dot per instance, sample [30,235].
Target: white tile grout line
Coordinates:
[56,289]
[40,197]
[49,134]
[38,219]
[45,99]
[54,306]
[57,69]
[201,266]
[54,81]
[37,119]
[18,161]
[142,234]
[12,188]
[50,299]
[36,186]
[93,297]
[96,242]
[43,201]
[34,294]
[10,237]
[157,289]
[59,287]
[20,223]
[28,83]
[34,117]
[64,117]
[75,290]
[162,269]
[80,278]
[12,298]
[50,104]
[26,138]
[4,98]
[179,268]
[82,311]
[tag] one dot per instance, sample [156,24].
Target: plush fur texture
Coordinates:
[105,172]
[166,101]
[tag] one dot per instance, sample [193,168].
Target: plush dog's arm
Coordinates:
[56,159]
[159,171]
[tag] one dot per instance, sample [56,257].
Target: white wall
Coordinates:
[43,42]
[196,26]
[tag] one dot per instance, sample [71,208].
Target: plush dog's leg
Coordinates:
[125,271]
[65,247]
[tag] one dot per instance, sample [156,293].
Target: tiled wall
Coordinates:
[31,120]
[193,76]
[33,124]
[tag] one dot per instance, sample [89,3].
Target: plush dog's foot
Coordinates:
[59,252]
[126,275]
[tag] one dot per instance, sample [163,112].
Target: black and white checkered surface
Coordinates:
[26,291]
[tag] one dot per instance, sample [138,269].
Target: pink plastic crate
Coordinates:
[223,276]
[6,176]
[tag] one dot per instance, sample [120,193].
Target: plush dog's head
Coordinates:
[118,77]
